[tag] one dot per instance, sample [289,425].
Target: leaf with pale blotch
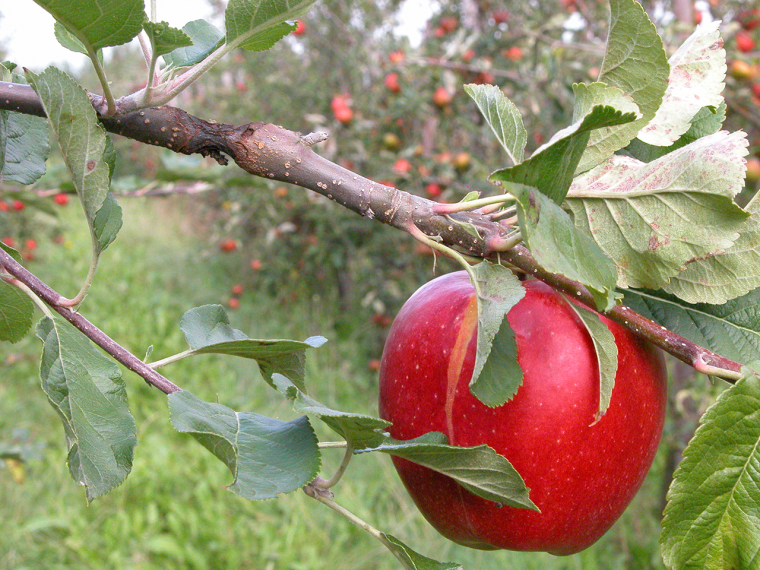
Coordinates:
[711,519]
[503,118]
[16,311]
[654,218]
[414,560]
[731,330]
[259,24]
[725,275]
[24,141]
[496,375]
[606,354]
[559,247]
[205,39]
[208,331]
[635,62]
[165,39]
[478,469]
[697,74]
[98,23]
[266,456]
[87,391]
[604,141]
[551,168]
[81,137]
[359,430]
[706,122]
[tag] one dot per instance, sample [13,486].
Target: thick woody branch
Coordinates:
[275,153]
[119,353]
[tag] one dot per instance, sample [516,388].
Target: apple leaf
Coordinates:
[107,222]
[258,24]
[205,38]
[697,74]
[606,354]
[586,97]
[496,375]
[635,62]
[208,331]
[87,391]
[725,275]
[359,430]
[478,469]
[24,141]
[164,38]
[16,311]
[84,144]
[707,121]
[266,456]
[98,23]
[503,118]
[711,519]
[653,219]
[560,247]
[731,330]
[413,560]
[551,168]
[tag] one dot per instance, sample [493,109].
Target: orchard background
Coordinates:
[290,264]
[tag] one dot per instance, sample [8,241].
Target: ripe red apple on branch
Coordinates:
[581,473]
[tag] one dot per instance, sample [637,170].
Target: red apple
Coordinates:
[753,169]
[233,303]
[256,264]
[433,190]
[581,473]
[18,205]
[228,245]
[61,198]
[391,82]
[442,97]
[500,16]
[449,24]
[402,166]
[344,114]
[396,57]
[300,28]
[744,43]
[237,290]
[514,53]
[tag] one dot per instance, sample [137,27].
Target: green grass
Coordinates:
[173,511]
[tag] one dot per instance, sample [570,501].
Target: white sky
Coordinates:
[26,30]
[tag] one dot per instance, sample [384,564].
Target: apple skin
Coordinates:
[581,474]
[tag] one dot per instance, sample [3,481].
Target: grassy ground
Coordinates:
[173,512]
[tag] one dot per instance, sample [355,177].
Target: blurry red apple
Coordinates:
[228,245]
[442,97]
[300,28]
[391,82]
[744,43]
[61,198]
[581,473]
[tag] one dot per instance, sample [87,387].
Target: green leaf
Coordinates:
[81,138]
[560,247]
[205,39]
[359,430]
[16,311]
[10,251]
[24,142]
[266,456]
[415,561]
[87,391]
[496,375]
[653,219]
[208,331]
[259,24]
[606,354]
[706,122]
[98,23]
[697,72]
[503,118]
[478,469]
[711,519]
[635,62]
[552,166]
[164,39]
[731,330]
[107,222]
[603,142]
[725,275]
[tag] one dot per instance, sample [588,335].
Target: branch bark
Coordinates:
[275,153]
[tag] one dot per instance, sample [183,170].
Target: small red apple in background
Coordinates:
[749,19]
[739,69]
[4,207]
[61,199]
[514,53]
[237,290]
[256,264]
[31,244]
[442,96]
[500,16]
[402,166]
[753,170]
[697,17]
[341,109]
[391,82]
[233,303]
[300,28]
[18,205]
[462,161]
[396,57]
[433,190]
[744,43]
[756,90]
[581,473]
[449,24]
[228,245]
[9,241]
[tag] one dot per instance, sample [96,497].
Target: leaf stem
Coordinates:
[332,444]
[472,204]
[420,236]
[332,481]
[170,359]
[35,299]
[101,73]
[79,297]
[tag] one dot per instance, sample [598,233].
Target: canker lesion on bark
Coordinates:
[275,153]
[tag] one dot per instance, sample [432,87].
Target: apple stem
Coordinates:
[332,481]
[362,524]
